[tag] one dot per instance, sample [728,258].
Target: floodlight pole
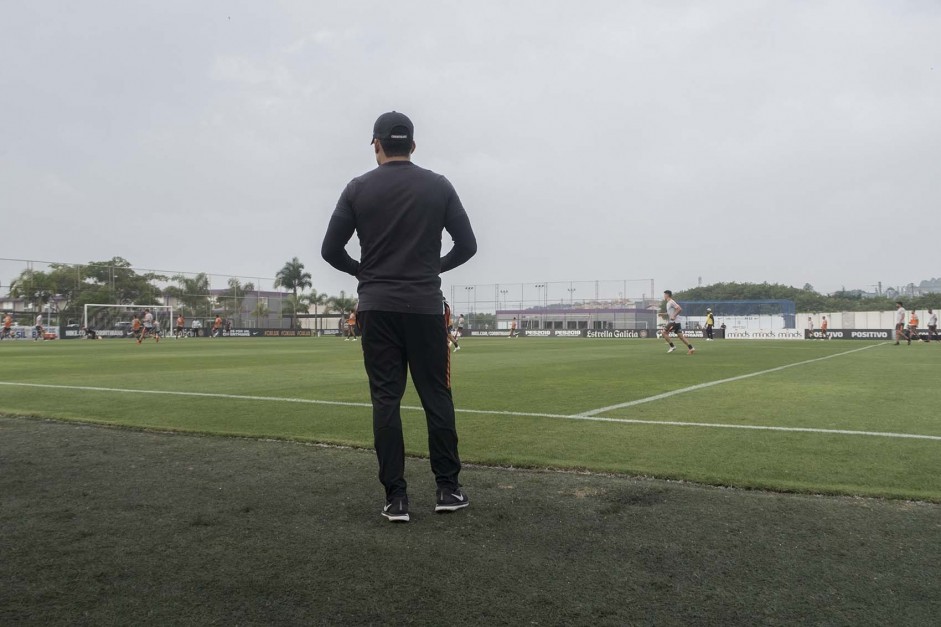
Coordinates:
[469,289]
[540,295]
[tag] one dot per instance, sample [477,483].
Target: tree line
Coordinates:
[806,299]
[67,288]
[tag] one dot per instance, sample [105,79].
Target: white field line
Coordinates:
[242,397]
[913,436]
[693,388]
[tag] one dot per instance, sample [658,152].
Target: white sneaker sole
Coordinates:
[396,517]
[450,508]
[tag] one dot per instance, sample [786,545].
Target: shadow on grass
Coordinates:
[110,526]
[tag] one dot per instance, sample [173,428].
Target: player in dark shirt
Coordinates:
[399,210]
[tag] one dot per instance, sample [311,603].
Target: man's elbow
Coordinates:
[470,248]
[329,253]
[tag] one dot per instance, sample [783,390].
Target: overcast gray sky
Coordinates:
[788,142]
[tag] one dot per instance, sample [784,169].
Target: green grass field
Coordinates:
[138,525]
[851,418]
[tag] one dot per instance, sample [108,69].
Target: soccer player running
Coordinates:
[399,210]
[900,323]
[149,328]
[932,325]
[40,331]
[673,325]
[180,327]
[7,327]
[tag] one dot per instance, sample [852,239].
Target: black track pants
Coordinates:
[394,344]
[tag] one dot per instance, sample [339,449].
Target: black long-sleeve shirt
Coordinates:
[399,211]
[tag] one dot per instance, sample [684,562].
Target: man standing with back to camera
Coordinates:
[399,210]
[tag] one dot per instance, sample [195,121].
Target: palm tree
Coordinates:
[294,304]
[192,294]
[317,300]
[293,277]
[233,298]
[261,311]
[342,303]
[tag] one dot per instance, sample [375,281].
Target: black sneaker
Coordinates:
[396,510]
[450,500]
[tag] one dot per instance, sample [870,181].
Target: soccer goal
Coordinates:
[115,320]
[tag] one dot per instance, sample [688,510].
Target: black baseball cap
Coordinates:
[393,126]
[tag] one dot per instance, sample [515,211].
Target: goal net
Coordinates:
[115,320]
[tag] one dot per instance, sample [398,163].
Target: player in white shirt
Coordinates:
[932,324]
[40,331]
[149,328]
[673,325]
[900,323]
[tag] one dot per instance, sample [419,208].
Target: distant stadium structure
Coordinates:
[558,305]
[564,317]
[603,305]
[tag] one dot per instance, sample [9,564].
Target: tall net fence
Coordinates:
[60,292]
[542,304]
